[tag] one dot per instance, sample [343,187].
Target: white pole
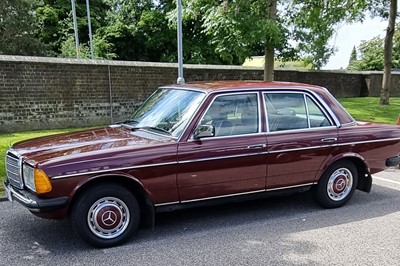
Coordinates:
[180,80]
[90,29]
[75,29]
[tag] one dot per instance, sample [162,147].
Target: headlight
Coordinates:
[36,179]
[29,179]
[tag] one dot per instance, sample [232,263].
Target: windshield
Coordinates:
[167,111]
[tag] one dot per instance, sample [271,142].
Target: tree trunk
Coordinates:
[387,72]
[269,49]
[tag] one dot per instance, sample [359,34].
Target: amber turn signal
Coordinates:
[42,182]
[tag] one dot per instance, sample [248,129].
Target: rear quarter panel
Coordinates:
[372,141]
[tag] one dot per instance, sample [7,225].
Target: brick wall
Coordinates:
[44,93]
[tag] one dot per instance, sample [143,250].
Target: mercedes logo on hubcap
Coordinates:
[109,218]
[340,184]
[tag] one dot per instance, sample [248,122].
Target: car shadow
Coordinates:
[280,215]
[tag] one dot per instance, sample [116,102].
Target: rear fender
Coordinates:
[364,175]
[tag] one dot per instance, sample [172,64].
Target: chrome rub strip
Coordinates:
[217,158]
[236,194]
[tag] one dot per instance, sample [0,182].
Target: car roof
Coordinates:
[211,86]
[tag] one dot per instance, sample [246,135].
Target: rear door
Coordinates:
[301,137]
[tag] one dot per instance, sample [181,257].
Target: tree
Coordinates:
[17,28]
[55,16]
[315,22]
[353,55]
[242,27]
[372,54]
[388,45]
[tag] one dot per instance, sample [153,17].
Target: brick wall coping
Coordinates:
[73,61]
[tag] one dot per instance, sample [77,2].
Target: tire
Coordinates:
[336,185]
[105,215]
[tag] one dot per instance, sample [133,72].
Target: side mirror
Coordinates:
[204,131]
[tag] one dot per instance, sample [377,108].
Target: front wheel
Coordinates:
[336,185]
[105,215]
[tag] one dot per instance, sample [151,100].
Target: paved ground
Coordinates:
[277,231]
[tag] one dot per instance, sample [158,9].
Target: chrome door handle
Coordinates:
[329,140]
[258,146]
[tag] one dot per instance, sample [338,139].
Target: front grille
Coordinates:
[14,170]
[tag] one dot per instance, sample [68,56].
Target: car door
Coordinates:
[232,162]
[301,137]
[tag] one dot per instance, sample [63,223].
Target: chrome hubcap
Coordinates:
[108,217]
[340,184]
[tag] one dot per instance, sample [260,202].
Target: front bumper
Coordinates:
[32,202]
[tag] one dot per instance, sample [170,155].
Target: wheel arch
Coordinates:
[133,185]
[364,177]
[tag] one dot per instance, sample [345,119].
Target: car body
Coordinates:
[195,144]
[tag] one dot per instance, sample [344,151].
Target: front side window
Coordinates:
[234,114]
[289,111]
[167,111]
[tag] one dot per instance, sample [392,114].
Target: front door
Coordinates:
[232,162]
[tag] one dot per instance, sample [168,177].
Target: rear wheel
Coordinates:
[105,215]
[336,185]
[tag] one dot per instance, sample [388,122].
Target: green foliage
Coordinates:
[102,49]
[17,28]
[237,29]
[315,22]
[372,54]
[55,21]
[353,55]
[214,31]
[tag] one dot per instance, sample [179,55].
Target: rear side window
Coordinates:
[291,111]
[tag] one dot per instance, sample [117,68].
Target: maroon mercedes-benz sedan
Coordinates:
[200,143]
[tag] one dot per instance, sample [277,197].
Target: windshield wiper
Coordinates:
[153,128]
[129,121]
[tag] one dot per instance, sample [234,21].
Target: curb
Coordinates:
[2,198]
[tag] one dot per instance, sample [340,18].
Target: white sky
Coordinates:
[352,35]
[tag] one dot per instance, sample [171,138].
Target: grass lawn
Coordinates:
[366,109]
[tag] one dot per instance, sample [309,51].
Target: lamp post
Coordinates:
[90,29]
[77,50]
[180,80]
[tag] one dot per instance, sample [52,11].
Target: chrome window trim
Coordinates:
[306,93]
[307,111]
[228,137]
[177,138]
[300,130]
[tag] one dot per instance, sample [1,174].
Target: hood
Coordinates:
[42,149]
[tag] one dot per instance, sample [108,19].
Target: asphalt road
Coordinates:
[289,230]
